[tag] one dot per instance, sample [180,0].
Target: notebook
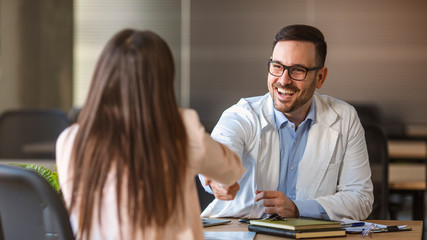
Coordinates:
[297,224]
[339,232]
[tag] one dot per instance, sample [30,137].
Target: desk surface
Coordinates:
[416,232]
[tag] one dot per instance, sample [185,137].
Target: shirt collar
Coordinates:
[281,119]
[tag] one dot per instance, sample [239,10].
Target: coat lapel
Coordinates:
[268,161]
[321,144]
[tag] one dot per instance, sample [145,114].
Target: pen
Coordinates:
[391,229]
[356,224]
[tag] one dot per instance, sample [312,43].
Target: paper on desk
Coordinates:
[360,228]
[229,235]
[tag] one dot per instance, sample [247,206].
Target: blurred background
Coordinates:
[377,59]
[377,49]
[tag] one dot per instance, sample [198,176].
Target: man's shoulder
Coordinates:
[330,109]
[332,102]
[251,109]
[254,103]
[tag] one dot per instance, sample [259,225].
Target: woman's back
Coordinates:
[127,166]
[205,156]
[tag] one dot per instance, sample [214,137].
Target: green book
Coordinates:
[297,224]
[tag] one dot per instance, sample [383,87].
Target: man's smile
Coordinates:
[285,94]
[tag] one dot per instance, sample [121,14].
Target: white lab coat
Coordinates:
[334,169]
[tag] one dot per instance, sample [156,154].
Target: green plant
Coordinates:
[50,176]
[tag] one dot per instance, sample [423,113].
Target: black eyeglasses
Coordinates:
[297,73]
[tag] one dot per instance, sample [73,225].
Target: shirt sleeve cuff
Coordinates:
[202,182]
[311,208]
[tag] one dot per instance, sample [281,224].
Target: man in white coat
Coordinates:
[304,153]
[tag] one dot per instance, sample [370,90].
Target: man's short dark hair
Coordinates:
[304,33]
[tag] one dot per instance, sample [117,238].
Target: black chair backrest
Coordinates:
[30,208]
[73,114]
[30,133]
[376,142]
[369,113]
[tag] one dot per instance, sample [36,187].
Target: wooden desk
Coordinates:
[37,148]
[407,149]
[411,176]
[416,232]
[416,130]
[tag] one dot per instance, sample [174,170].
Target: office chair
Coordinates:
[73,114]
[30,208]
[30,133]
[368,112]
[376,142]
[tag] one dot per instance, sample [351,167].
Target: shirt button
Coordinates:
[292,168]
[290,196]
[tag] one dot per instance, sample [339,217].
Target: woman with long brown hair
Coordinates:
[127,167]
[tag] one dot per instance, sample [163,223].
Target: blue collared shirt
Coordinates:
[292,147]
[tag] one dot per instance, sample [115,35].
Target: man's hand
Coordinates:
[276,202]
[221,192]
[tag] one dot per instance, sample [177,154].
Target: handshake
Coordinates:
[274,202]
[221,192]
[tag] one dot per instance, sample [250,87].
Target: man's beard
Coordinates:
[299,101]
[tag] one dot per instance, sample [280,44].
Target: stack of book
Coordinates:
[297,228]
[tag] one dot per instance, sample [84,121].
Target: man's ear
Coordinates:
[321,77]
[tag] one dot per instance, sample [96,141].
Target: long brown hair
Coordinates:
[130,126]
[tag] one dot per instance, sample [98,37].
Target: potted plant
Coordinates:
[50,176]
